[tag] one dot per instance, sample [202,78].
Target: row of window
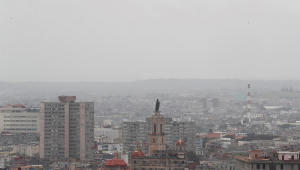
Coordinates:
[54,109]
[20,124]
[55,105]
[54,116]
[20,120]
[11,111]
[20,129]
[258,166]
[20,116]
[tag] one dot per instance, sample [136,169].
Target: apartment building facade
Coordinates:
[16,118]
[67,129]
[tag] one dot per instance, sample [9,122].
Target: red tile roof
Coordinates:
[116,163]
[138,154]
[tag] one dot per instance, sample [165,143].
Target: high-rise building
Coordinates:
[133,132]
[16,118]
[204,103]
[215,102]
[67,129]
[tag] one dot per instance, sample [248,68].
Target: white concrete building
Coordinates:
[16,118]
[27,149]
[109,132]
[117,147]
[3,161]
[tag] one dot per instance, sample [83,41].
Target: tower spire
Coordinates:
[157,136]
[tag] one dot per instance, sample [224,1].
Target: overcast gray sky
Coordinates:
[125,40]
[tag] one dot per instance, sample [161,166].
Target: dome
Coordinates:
[116,163]
[179,142]
[138,154]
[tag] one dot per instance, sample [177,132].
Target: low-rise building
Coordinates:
[281,160]
[26,149]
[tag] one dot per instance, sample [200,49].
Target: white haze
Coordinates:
[118,40]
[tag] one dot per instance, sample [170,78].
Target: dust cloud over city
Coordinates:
[149,85]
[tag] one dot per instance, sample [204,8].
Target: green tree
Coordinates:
[192,156]
[224,126]
[286,126]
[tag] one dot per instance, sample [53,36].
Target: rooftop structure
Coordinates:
[276,160]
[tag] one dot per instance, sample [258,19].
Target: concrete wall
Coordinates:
[18,120]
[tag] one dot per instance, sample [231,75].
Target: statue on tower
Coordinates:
[157,105]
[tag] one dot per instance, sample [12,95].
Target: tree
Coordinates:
[192,156]
[257,137]
[286,126]
[224,126]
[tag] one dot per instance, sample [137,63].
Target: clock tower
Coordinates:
[157,135]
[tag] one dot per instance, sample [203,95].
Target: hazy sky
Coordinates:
[125,40]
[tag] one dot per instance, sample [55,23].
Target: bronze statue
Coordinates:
[157,105]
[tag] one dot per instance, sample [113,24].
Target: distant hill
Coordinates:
[145,86]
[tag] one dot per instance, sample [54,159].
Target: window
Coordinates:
[134,162]
[264,166]
[281,166]
[153,140]
[257,166]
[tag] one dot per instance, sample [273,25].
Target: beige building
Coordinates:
[275,161]
[67,129]
[26,149]
[16,118]
[157,138]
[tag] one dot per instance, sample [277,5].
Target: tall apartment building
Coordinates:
[132,132]
[137,131]
[67,129]
[183,130]
[16,118]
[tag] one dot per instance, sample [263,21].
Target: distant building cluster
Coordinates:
[215,129]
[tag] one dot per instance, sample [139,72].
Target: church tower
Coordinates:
[157,137]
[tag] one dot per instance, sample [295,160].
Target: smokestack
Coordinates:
[248,104]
